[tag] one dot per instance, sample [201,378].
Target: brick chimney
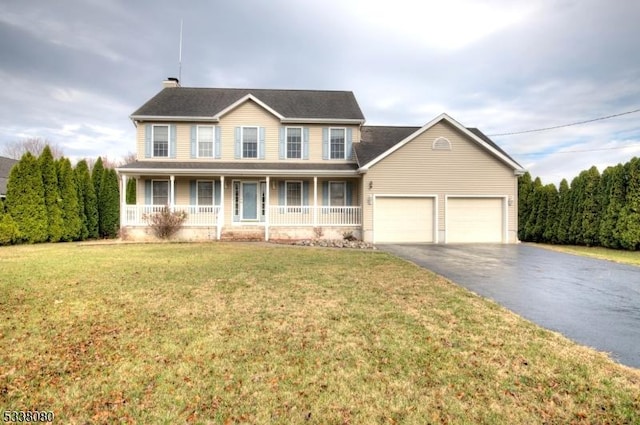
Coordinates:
[171,82]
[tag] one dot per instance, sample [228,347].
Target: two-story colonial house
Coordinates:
[292,164]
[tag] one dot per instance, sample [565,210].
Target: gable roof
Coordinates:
[378,142]
[5,168]
[289,105]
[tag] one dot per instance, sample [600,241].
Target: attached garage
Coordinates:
[475,220]
[403,219]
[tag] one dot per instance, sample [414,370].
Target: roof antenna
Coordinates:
[180,54]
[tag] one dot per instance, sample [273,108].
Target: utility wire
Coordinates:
[579,150]
[564,125]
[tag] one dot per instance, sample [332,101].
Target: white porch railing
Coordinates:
[315,216]
[197,215]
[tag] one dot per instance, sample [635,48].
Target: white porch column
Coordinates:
[123,200]
[266,210]
[221,211]
[315,201]
[172,192]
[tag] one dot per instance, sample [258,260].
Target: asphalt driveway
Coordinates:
[594,302]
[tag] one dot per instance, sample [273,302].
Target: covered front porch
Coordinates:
[225,205]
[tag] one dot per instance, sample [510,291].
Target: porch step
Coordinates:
[242,234]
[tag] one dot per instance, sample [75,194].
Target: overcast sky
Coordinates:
[74,70]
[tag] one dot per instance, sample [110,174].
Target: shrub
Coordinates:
[165,223]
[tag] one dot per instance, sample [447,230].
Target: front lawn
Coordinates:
[253,333]
[617,255]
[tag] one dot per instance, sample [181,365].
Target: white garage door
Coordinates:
[474,220]
[403,220]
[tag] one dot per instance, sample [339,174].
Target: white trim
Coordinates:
[344,144]
[383,195]
[505,212]
[153,132]
[237,172]
[257,127]
[457,125]
[322,121]
[286,144]
[213,141]
[243,100]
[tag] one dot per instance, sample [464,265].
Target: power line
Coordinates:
[579,150]
[564,125]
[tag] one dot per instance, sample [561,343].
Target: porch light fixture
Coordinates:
[273,184]
[370,184]
[510,201]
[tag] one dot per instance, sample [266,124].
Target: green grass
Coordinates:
[617,255]
[252,333]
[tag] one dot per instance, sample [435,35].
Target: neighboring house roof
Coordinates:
[380,141]
[5,169]
[211,103]
[196,167]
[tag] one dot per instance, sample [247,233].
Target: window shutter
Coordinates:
[349,147]
[349,198]
[147,140]
[216,192]
[305,143]
[325,193]
[238,149]
[193,197]
[305,193]
[194,141]
[172,141]
[281,193]
[325,143]
[281,144]
[217,147]
[147,192]
[261,132]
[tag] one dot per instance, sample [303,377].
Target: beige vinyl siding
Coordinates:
[248,113]
[466,169]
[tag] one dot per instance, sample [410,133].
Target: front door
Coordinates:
[249,201]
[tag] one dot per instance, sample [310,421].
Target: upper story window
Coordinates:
[336,143]
[294,142]
[249,142]
[160,140]
[205,141]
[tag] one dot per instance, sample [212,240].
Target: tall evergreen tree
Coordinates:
[109,204]
[89,199]
[577,198]
[629,221]
[69,195]
[590,209]
[551,223]
[25,200]
[8,228]
[564,213]
[530,230]
[96,179]
[52,198]
[613,193]
[131,192]
[525,189]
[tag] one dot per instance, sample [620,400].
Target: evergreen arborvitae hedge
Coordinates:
[25,200]
[9,232]
[131,192]
[89,200]
[70,207]
[109,204]
[596,210]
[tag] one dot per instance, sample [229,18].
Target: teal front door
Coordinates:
[249,201]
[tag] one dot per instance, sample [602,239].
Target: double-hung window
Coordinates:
[293,196]
[204,195]
[160,192]
[337,143]
[205,141]
[160,140]
[294,142]
[337,194]
[249,142]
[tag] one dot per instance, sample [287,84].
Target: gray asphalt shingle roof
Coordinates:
[5,168]
[207,102]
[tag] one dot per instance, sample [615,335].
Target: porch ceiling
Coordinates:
[238,168]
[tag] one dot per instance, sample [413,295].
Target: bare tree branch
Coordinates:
[35,145]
